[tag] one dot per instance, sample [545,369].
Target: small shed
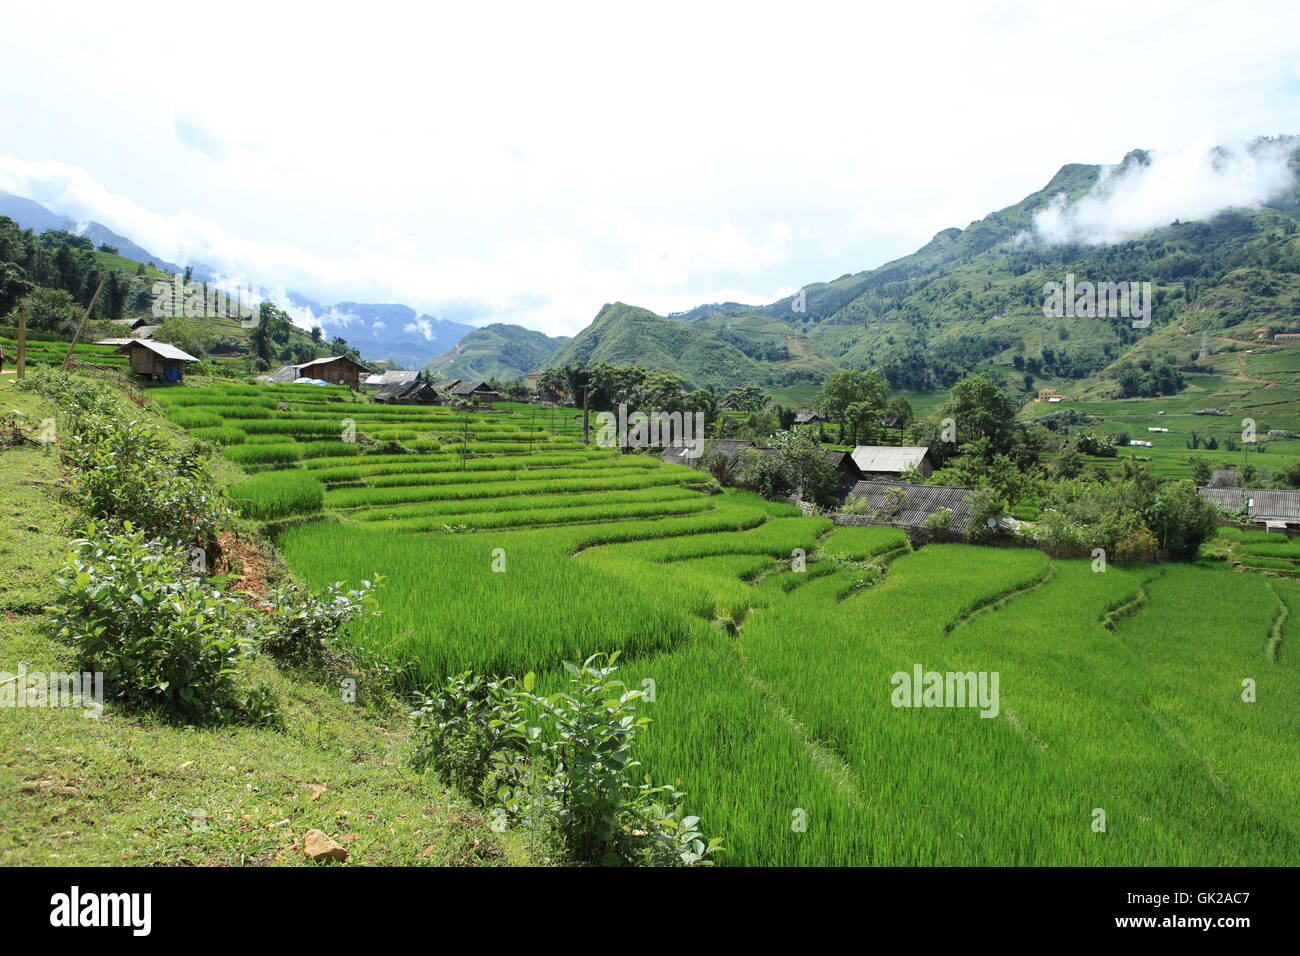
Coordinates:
[477,391]
[891,461]
[157,360]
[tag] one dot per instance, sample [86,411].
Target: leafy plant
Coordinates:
[561,765]
[164,639]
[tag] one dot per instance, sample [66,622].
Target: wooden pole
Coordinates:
[586,424]
[22,340]
[85,318]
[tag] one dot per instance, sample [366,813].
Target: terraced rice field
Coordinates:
[773,642]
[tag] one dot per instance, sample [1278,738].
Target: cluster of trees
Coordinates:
[862,406]
[1147,379]
[56,275]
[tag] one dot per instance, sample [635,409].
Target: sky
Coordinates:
[529,163]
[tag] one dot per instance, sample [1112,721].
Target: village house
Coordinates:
[1048,395]
[157,360]
[885,462]
[414,391]
[337,370]
[476,391]
[809,416]
[379,380]
[1287,337]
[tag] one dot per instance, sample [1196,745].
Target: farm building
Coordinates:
[477,391]
[809,416]
[384,379]
[918,503]
[336,369]
[1048,395]
[685,455]
[847,469]
[412,392]
[1265,506]
[883,462]
[1287,337]
[157,360]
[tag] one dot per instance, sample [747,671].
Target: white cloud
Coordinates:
[1133,197]
[505,163]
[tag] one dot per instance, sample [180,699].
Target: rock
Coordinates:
[317,846]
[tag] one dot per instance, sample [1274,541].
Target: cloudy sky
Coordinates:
[529,163]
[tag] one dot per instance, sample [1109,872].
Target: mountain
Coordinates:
[381,331]
[390,331]
[32,215]
[625,335]
[974,297]
[498,351]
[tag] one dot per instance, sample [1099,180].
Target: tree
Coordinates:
[981,408]
[189,335]
[1200,470]
[795,464]
[747,398]
[846,387]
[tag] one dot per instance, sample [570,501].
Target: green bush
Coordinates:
[133,609]
[561,765]
[310,629]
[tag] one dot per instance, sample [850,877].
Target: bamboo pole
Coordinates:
[22,340]
[84,319]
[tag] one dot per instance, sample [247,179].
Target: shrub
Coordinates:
[309,629]
[940,520]
[984,505]
[1139,545]
[132,608]
[568,775]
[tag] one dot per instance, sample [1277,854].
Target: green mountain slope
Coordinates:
[498,351]
[625,335]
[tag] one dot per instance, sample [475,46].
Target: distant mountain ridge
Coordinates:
[381,331]
[499,351]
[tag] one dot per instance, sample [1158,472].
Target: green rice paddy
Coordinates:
[772,641]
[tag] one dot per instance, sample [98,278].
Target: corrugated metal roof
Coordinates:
[162,350]
[920,502]
[891,458]
[1261,503]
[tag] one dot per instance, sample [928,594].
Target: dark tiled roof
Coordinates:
[921,501]
[685,454]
